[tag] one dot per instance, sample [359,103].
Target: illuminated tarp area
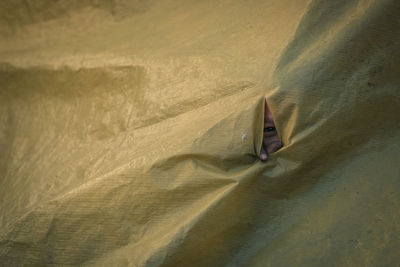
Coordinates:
[129,133]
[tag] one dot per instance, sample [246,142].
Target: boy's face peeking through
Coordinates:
[271,140]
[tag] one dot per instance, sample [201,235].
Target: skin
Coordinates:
[271,140]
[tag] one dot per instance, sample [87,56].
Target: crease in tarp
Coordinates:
[188,189]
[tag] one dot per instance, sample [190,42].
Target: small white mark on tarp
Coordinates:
[244,136]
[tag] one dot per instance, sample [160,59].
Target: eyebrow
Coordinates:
[269,120]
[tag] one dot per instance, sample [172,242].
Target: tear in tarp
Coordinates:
[130,132]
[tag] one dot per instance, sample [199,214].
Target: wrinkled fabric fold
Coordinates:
[130,133]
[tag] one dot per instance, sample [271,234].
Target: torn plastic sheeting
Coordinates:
[105,166]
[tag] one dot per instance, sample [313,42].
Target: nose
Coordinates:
[275,146]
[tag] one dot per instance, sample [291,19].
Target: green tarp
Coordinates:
[129,133]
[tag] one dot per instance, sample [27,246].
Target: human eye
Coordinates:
[269,129]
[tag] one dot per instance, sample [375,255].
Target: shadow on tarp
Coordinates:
[188,189]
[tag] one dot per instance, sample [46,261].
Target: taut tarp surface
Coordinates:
[129,133]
